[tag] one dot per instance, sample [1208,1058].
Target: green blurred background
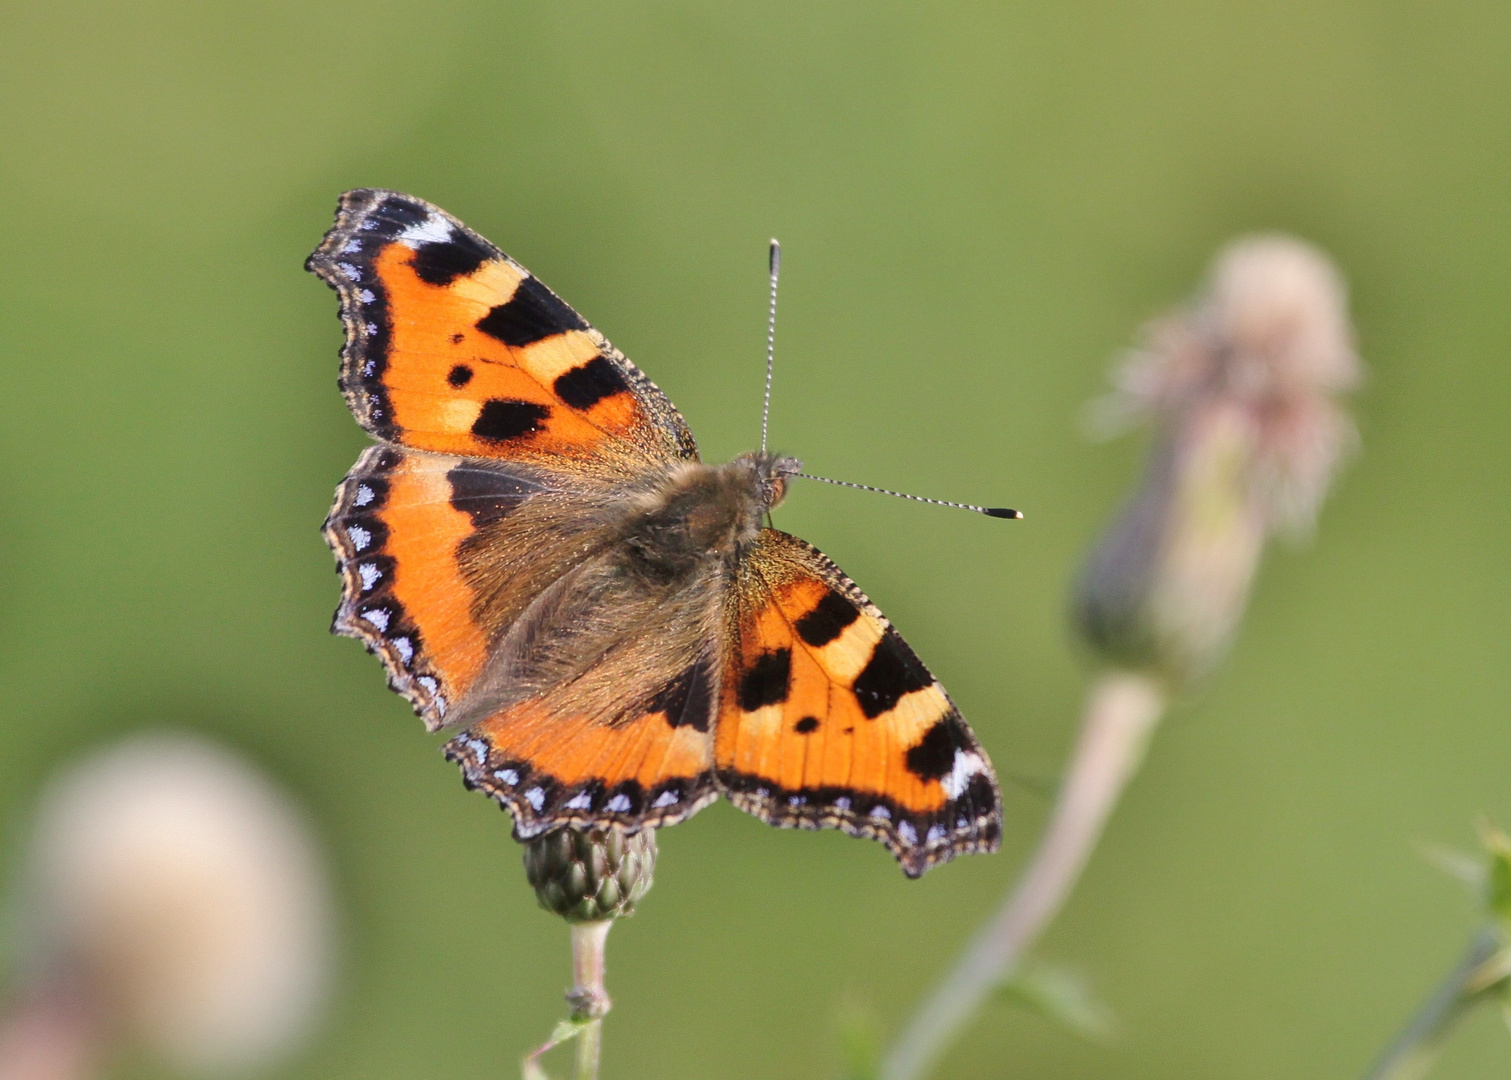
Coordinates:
[979,203]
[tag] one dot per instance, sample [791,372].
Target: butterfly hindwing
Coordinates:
[503,605]
[550,770]
[400,524]
[453,347]
[828,719]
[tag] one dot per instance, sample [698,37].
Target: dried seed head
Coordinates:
[1242,391]
[591,875]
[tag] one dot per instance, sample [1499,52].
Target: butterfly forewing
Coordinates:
[452,346]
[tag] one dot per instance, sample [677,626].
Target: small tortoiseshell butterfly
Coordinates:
[542,560]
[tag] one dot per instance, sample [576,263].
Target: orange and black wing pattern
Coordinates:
[453,347]
[480,382]
[828,719]
[551,768]
[399,524]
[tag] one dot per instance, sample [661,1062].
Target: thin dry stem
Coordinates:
[589,1002]
[1121,712]
[589,999]
[589,1049]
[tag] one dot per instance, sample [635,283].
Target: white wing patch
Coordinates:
[433,230]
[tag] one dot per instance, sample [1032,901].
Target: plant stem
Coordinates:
[1121,712]
[589,999]
[1414,1050]
[589,1045]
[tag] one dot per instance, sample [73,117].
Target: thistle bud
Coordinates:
[591,875]
[1241,389]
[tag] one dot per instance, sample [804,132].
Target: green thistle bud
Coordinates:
[591,875]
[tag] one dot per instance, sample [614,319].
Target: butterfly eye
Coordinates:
[775,491]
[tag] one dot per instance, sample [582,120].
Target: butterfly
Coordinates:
[544,564]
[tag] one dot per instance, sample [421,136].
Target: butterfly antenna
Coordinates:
[776,270]
[989,511]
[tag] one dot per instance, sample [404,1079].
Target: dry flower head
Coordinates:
[1242,390]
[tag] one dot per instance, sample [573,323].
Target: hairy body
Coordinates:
[630,601]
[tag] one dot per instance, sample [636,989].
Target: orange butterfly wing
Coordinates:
[488,391]
[453,347]
[397,526]
[399,519]
[550,770]
[828,719]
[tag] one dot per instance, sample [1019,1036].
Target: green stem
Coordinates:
[589,1045]
[1414,1050]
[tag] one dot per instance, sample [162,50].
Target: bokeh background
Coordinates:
[979,203]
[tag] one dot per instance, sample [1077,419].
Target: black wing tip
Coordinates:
[364,198]
[352,207]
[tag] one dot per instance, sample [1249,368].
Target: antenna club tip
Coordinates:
[776,256]
[1003,512]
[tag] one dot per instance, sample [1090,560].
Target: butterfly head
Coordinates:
[770,472]
[705,511]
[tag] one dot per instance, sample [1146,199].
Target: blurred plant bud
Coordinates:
[173,898]
[1241,389]
[591,875]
